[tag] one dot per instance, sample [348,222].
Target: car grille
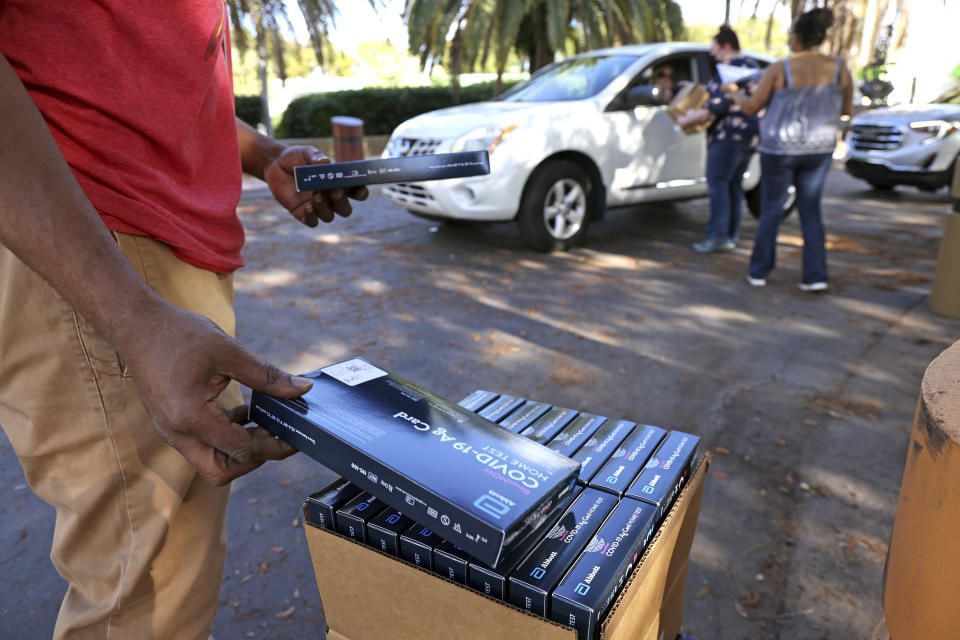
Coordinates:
[413,146]
[871,137]
[408,194]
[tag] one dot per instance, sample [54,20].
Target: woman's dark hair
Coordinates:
[811,27]
[726,35]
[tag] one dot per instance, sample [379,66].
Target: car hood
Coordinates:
[455,121]
[906,114]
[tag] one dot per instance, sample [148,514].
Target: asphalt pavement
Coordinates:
[805,400]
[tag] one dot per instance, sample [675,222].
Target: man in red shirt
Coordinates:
[121,161]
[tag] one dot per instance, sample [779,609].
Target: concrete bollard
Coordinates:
[945,292]
[347,138]
[921,596]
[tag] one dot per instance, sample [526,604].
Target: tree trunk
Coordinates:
[769,34]
[498,85]
[796,8]
[868,34]
[543,54]
[262,73]
[456,64]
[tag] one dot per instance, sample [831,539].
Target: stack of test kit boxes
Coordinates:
[608,563]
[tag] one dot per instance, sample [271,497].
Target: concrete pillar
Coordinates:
[347,138]
[945,292]
[921,591]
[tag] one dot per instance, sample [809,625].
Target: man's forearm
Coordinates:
[48,222]
[256,150]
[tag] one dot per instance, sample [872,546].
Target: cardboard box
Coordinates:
[368,595]
[691,96]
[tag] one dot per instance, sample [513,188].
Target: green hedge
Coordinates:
[249,109]
[380,109]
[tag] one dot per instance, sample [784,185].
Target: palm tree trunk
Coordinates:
[262,72]
[456,64]
[543,54]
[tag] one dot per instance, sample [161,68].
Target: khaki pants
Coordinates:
[139,536]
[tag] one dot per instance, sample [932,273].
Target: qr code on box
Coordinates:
[354,372]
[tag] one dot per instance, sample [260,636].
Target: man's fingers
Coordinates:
[223,450]
[265,446]
[263,376]
[213,465]
[321,207]
[305,213]
[359,193]
[239,415]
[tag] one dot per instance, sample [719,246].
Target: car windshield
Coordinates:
[950,97]
[573,79]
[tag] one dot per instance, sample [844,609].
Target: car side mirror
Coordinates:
[646,95]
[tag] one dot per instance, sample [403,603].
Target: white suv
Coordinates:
[915,145]
[581,135]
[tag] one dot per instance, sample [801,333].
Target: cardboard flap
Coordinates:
[367,595]
[662,568]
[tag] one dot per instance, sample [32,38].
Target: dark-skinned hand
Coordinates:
[179,386]
[309,207]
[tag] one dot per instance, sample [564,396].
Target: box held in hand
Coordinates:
[476,485]
[439,166]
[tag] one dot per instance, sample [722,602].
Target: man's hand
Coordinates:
[181,363]
[307,206]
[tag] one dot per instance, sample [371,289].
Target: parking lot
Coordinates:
[805,400]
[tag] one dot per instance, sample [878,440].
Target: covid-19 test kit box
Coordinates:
[473,483]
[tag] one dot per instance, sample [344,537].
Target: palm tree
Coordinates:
[468,31]
[270,22]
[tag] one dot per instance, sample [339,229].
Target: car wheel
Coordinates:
[880,186]
[556,207]
[753,202]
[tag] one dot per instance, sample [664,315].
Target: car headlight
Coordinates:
[488,138]
[933,130]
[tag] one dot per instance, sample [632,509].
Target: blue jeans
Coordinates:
[808,173]
[726,162]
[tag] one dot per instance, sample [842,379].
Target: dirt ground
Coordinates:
[805,400]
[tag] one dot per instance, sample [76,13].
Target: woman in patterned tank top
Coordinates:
[731,140]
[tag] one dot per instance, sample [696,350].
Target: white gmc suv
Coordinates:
[581,135]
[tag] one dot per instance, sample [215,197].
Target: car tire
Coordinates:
[556,207]
[753,202]
[881,186]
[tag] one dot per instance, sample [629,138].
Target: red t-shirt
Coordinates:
[139,98]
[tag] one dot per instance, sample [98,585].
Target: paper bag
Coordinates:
[691,96]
